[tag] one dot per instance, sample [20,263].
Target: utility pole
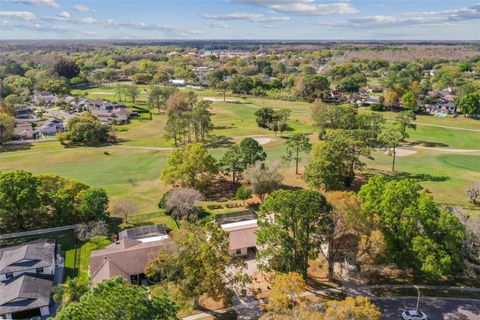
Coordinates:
[418,302]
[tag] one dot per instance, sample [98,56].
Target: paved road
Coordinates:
[435,308]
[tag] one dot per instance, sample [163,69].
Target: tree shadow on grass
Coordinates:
[15,147]
[404,175]
[219,142]
[220,190]
[429,144]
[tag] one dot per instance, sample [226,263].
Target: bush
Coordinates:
[243,193]
[377,107]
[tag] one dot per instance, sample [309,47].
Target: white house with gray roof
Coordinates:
[25,296]
[36,257]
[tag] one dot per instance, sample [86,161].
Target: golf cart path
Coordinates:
[103,148]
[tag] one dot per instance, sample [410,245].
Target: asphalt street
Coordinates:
[435,308]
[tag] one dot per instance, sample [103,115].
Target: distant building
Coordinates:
[242,231]
[177,82]
[128,256]
[50,127]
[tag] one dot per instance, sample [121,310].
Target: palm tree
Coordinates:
[70,291]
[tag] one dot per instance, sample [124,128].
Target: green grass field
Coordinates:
[131,169]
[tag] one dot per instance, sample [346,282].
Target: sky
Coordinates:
[241,19]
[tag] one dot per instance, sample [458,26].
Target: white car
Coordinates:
[412,315]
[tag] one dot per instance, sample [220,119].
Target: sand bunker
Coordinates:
[404,152]
[263,141]
[213,99]
[101,92]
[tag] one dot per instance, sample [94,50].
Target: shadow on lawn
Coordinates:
[15,147]
[220,142]
[429,144]
[404,175]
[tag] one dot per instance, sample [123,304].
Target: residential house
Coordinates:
[26,279]
[25,296]
[23,130]
[177,82]
[31,257]
[441,106]
[129,255]
[50,127]
[45,99]
[242,231]
[333,96]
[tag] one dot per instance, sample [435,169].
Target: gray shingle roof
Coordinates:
[27,256]
[25,292]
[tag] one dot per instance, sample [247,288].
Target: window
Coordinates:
[238,251]
[9,275]
[39,270]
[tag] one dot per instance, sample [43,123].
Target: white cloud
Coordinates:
[253,17]
[47,3]
[64,15]
[22,15]
[429,18]
[82,8]
[303,7]
[218,25]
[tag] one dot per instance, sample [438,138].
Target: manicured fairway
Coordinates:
[131,169]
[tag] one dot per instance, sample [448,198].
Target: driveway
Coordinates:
[435,308]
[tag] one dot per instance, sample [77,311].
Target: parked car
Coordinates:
[412,315]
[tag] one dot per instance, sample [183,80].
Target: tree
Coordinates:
[297,144]
[243,194]
[390,138]
[279,121]
[198,260]
[93,204]
[124,208]
[92,229]
[251,151]
[344,222]
[292,226]
[285,296]
[116,299]
[390,99]
[7,126]
[201,118]
[70,291]
[86,130]
[66,68]
[191,167]
[473,194]
[264,117]
[417,232]
[181,204]
[55,86]
[311,86]
[371,248]
[133,92]
[358,308]
[470,104]
[409,100]
[233,162]
[19,200]
[405,120]
[156,98]
[263,178]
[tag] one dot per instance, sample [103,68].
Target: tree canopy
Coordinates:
[418,233]
[116,299]
[292,226]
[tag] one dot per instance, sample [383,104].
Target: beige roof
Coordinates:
[241,234]
[123,258]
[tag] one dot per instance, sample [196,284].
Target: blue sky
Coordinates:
[240,19]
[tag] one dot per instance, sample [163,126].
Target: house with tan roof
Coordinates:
[242,231]
[128,256]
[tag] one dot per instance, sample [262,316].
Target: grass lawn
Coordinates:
[131,170]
